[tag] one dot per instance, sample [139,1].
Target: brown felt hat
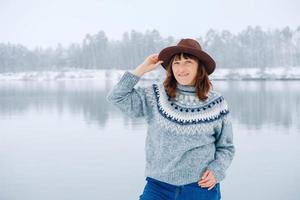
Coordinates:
[189,46]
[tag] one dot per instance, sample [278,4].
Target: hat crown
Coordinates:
[190,43]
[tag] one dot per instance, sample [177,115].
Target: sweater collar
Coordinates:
[187,89]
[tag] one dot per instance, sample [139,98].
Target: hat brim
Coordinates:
[166,54]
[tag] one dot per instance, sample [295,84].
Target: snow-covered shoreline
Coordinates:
[279,73]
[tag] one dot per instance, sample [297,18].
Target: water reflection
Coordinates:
[50,151]
[252,103]
[263,103]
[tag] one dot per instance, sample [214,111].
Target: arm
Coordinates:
[130,100]
[225,149]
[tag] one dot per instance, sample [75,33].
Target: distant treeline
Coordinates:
[250,48]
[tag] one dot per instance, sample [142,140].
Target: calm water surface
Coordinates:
[61,140]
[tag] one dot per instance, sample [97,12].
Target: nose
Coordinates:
[181,69]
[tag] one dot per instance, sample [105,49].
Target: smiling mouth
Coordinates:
[183,75]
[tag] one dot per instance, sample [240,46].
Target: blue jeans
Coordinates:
[158,190]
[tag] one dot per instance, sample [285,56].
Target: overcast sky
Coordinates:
[48,22]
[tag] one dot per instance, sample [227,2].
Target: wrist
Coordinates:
[139,71]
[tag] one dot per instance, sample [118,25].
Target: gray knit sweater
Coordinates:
[185,136]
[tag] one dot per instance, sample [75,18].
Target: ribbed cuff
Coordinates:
[218,173]
[129,79]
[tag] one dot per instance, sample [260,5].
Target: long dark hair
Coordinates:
[203,84]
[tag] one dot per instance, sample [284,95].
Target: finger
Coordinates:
[211,187]
[159,62]
[207,184]
[204,181]
[205,174]
[207,178]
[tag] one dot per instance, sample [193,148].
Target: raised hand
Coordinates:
[149,64]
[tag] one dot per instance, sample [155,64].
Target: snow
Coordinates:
[278,73]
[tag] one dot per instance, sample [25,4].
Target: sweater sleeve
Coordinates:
[130,100]
[225,149]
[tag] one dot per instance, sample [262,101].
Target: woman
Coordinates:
[189,143]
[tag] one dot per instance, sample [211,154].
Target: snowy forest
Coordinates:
[250,48]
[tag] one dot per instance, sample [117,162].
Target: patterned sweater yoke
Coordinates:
[187,108]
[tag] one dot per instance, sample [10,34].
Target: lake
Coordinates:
[61,140]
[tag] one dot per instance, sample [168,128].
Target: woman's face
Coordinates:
[185,70]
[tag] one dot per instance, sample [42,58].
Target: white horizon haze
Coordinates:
[35,23]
